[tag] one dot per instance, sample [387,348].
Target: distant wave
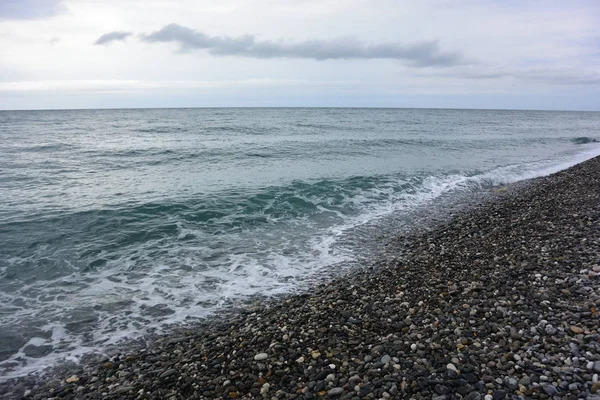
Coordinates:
[584,140]
[40,148]
[160,129]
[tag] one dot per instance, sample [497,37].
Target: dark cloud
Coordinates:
[29,9]
[417,54]
[112,37]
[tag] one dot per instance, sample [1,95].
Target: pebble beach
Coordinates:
[499,301]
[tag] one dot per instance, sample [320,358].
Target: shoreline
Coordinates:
[492,302]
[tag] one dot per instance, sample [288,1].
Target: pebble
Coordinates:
[168,373]
[550,330]
[124,389]
[576,330]
[261,356]
[549,390]
[265,388]
[512,384]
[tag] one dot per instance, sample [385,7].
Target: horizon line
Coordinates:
[294,107]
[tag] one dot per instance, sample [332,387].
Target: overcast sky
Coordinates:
[359,53]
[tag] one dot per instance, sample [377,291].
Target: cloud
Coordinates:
[29,9]
[418,54]
[110,37]
[548,75]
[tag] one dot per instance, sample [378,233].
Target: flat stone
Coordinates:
[123,389]
[168,373]
[335,392]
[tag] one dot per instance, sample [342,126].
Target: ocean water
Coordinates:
[115,223]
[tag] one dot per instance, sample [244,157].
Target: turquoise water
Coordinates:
[116,222]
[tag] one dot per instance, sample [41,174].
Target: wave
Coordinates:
[161,129]
[584,140]
[42,148]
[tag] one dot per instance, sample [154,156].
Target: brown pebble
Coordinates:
[576,330]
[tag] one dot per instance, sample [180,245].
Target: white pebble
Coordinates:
[590,365]
[261,356]
[413,347]
[265,388]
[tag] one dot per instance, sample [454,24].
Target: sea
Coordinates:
[117,224]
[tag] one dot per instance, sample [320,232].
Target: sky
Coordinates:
[509,54]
